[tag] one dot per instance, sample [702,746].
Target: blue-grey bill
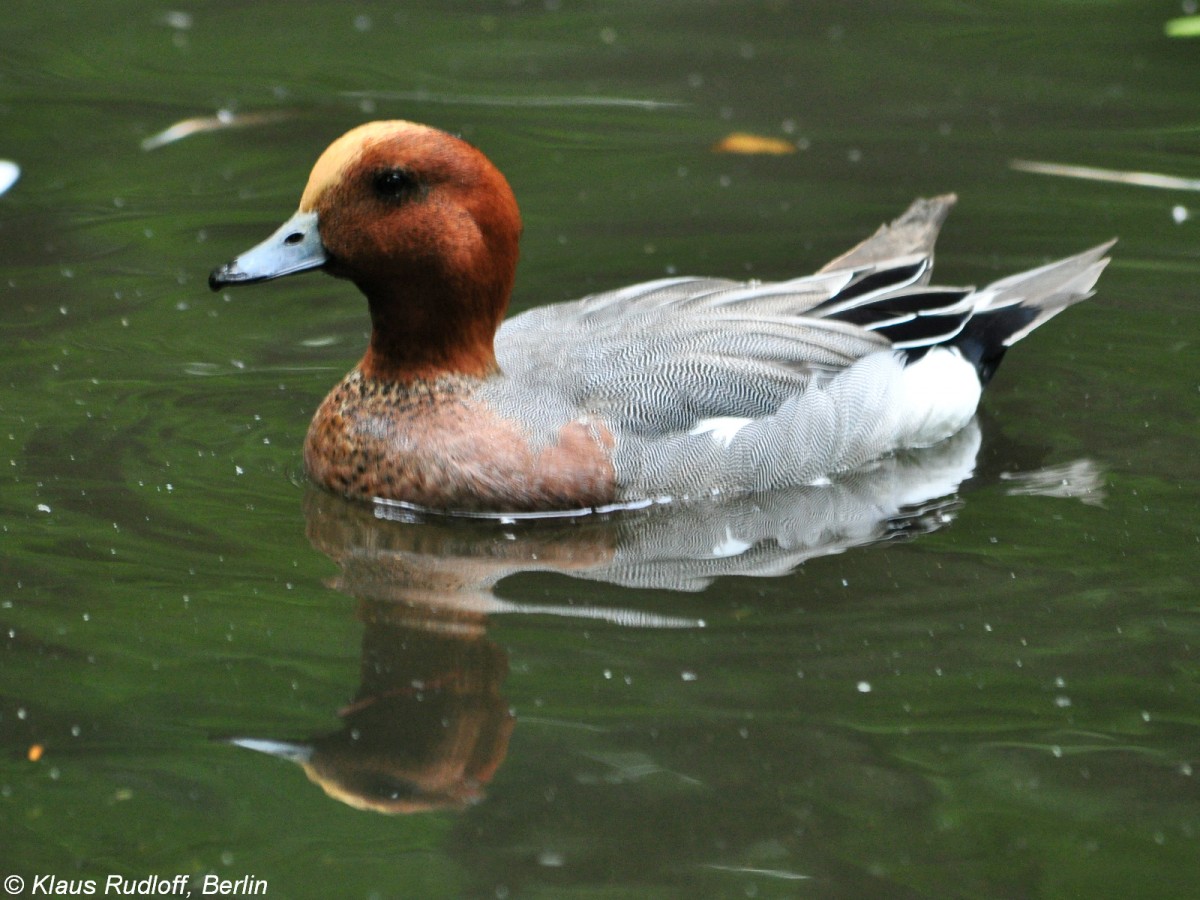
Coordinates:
[294,247]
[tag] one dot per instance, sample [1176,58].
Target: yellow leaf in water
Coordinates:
[35,752]
[744,142]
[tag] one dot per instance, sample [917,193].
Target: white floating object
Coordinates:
[178,19]
[201,124]
[9,173]
[1092,173]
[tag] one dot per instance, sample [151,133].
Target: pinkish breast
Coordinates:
[433,443]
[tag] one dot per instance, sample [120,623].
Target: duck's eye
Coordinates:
[394,184]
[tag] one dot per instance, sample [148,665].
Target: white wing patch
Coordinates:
[721,428]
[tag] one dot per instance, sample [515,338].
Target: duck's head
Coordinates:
[426,227]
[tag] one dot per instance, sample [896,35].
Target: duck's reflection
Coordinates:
[429,726]
[440,562]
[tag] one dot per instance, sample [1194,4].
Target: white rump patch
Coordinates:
[722,428]
[941,393]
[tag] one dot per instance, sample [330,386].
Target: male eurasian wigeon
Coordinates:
[680,387]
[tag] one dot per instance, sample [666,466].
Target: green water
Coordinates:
[1000,702]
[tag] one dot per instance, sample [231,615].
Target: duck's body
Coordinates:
[679,387]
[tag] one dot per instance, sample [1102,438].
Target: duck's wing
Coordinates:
[658,357]
[714,384]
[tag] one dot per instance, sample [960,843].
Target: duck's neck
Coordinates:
[424,331]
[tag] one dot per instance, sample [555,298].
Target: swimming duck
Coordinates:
[679,387]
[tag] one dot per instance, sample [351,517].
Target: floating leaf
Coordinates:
[744,142]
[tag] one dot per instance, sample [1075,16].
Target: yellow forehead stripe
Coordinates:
[345,151]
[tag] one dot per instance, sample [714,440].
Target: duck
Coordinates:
[672,389]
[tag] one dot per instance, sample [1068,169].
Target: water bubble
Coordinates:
[178,19]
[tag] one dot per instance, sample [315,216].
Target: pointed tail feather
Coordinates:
[912,234]
[1009,309]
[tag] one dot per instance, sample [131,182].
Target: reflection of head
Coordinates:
[431,749]
[427,729]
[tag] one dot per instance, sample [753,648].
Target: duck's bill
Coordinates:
[295,247]
[298,753]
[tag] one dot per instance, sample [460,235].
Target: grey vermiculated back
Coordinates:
[712,384]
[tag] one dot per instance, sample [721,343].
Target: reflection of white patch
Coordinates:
[941,392]
[1082,480]
[730,546]
[722,428]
